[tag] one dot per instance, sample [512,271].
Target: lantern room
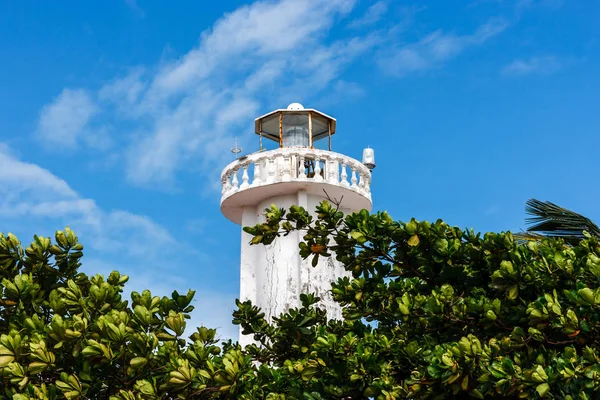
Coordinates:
[295,126]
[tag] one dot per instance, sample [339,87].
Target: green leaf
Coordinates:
[404,309]
[542,389]
[513,292]
[358,236]
[138,362]
[413,240]
[588,295]
[315,260]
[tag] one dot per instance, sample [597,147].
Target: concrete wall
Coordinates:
[273,276]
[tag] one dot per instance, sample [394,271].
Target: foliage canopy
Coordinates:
[433,311]
[67,335]
[430,312]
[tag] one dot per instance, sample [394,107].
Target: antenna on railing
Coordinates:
[236,149]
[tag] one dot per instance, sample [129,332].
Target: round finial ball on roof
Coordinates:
[295,106]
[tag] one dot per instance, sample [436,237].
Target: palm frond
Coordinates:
[524,237]
[548,219]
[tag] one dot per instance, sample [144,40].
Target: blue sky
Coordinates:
[116,117]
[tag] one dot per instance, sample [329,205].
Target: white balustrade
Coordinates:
[295,164]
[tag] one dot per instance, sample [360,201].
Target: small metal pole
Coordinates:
[280,129]
[329,134]
[310,130]
[260,135]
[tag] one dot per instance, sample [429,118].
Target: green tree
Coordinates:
[67,335]
[432,311]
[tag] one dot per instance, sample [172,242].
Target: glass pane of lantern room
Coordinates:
[295,130]
[320,132]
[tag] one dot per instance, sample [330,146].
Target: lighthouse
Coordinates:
[299,169]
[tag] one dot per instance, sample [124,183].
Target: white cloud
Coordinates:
[373,14]
[125,91]
[28,190]
[533,65]
[249,34]
[17,177]
[185,113]
[51,209]
[64,121]
[435,49]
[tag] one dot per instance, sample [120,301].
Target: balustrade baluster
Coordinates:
[286,175]
[354,180]
[318,176]
[245,178]
[344,181]
[256,181]
[302,174]
[361,182]
[234,180]
[271,170]
[332,171]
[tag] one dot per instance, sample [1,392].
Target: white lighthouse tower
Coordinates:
[294,173]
